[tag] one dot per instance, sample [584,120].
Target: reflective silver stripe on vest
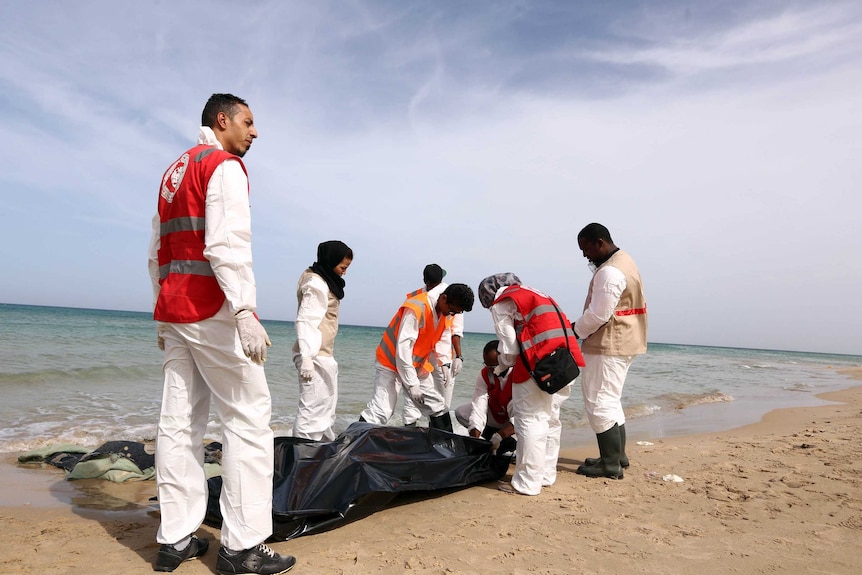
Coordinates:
[392,331]
[204,153]
[539,310]
[546,335]
[421,305]
[183,224]
[186,267]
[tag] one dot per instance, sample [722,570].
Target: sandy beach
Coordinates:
[781,495]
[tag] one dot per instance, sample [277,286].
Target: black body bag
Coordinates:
[557,369]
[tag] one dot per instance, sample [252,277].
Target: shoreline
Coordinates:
[42,486]
[781,493]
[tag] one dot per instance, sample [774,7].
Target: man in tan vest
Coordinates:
[614,329]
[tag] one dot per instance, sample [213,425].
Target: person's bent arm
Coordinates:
[503,316]
[608,285]
[479,407]
[312,310]
[153,264]
[228,235]
[408,332]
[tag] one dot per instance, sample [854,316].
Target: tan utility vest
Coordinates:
[329,325]
[626,332]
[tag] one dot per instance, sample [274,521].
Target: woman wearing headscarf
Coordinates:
[528,326]
[319,292]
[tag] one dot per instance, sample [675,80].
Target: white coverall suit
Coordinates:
[535,414]
[318,398]
[603,376]
[444,381]
[388,383]
[475,415]
[205,364]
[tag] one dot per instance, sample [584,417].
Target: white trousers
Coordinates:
[204,363]
[387,387]
[602,382]
[536,417]
[318,399]
[463,412]
[411,414]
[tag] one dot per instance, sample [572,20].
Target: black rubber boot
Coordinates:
[610,447]
[443,422]
[624,460]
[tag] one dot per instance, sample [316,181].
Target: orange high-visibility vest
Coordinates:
[429,334]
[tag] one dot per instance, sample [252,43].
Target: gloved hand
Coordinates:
[500,370]
[306,369]
[457,364]
[252,336]
[415,393]
[507,445]
[160,339]
[445,372]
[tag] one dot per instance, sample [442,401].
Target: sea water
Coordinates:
[89,376]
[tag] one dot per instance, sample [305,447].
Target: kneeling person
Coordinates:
[488,413]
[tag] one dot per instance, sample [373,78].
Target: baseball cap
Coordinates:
[433,274]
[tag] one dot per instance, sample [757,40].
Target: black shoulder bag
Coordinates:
[557,369]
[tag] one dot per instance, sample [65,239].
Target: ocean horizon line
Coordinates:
[670,344]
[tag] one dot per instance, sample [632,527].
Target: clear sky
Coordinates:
[719,141]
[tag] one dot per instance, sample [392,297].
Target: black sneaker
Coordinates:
[169,558]
[261,560]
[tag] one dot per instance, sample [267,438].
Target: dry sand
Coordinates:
[780,496]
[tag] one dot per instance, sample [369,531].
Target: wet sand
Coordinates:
[781,495]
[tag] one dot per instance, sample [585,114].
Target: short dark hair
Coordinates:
[227,103]
[490,346]
[461,295]
[595,232]
[433,274]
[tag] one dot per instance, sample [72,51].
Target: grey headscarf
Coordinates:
[488,287]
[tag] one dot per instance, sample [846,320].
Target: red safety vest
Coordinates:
[429,334]
[189,290]
[540,332]
[498,399]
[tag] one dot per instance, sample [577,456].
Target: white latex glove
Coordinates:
[306,369]
[457,364]
[160,339]
[415,393]
[252,336]
[445,372]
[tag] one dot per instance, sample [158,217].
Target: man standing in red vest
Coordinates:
[614,330]
[205,299]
